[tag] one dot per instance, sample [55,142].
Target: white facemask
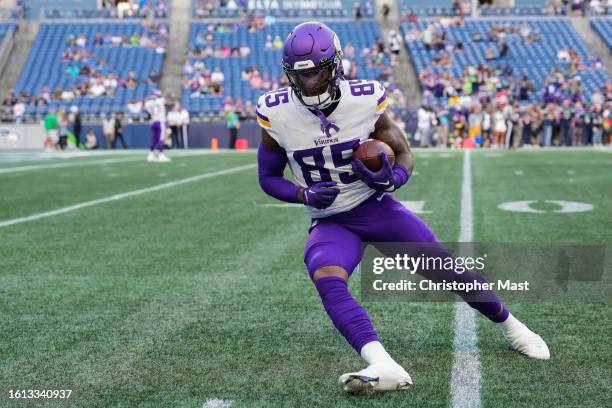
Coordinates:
[325,99]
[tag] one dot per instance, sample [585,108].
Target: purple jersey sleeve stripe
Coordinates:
[381,99]
[263,117]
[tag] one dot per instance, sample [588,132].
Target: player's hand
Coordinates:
[381,180]
[321,195]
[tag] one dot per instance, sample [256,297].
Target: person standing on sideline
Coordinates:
[423,126]
[233,124]
[156,107]
[185,119]
[51,129]
[76,124]
[62,121]
[119,130]
[108,130]
[174,122]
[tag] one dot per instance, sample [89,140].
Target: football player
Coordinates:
[156,108]
[314,126]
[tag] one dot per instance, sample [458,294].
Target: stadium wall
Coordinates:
[32,136]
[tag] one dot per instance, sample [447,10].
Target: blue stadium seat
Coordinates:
[50,43]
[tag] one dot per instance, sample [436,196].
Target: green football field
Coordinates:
[182,285]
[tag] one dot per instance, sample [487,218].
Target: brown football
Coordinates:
[369,153]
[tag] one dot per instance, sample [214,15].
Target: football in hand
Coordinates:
[369,153]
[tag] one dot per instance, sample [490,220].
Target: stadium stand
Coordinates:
[266,60]
[521,8]
[603,27]
[69,67]
[7,28]
[534,60]
[61,9]
[283,8]
[431,8]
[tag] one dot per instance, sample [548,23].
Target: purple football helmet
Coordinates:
[312,60]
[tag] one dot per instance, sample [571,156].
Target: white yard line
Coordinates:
[121,196]
[465,375]
[61,165]
[140,157]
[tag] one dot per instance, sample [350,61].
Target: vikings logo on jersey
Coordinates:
[315,154]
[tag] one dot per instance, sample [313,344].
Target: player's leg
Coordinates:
[160,144]
[395,223]
[155,133]
[332,252]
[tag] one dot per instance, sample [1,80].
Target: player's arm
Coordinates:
[272,160]
[387,131]
[388,178]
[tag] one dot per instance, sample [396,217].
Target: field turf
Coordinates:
[196,292]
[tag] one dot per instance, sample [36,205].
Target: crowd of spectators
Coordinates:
[93,78]
[579,7]
[498,116]
[137,8]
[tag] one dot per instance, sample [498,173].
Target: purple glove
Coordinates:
[321,195]
[386,179]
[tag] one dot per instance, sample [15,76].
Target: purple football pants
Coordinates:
[157,141]
[338,240]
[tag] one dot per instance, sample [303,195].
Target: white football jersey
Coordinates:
[157,109]
[313,156]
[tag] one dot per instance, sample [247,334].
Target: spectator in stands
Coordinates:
[563,56]
[97,89]
[490,54]
[153,78]
[358,13]
[134,108]
[255,81]
[245,50]
[386,9]
[525,88]
[502,48]
[277,43]
[268,45]
[395,45]
[19,110]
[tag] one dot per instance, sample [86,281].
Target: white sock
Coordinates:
[510,324]
[374,352]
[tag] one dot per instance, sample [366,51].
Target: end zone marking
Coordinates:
[121,196]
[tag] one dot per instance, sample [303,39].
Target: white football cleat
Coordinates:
[389,376]
[163,158]
[151,157]
[527,342]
